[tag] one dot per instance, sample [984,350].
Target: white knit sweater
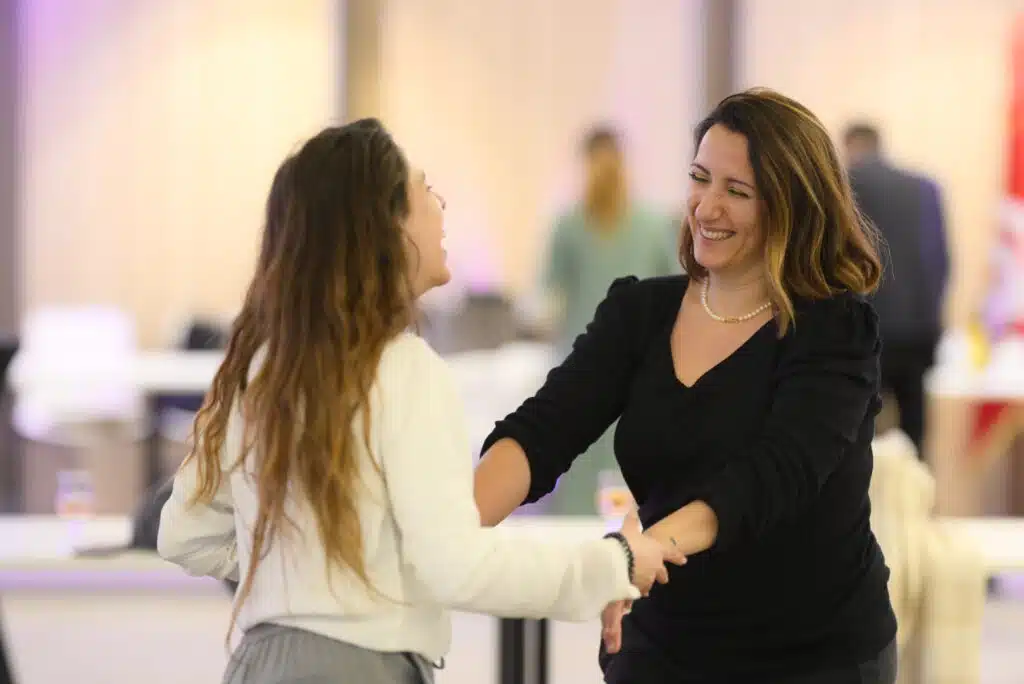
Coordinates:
[424,548]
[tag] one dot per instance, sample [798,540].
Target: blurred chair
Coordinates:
[8,347]
[78,406]
[493,382]
[177,412]
[484,320]
[938,582]
[10,496]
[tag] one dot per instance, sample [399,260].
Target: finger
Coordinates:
[611,626]
[674,556]
[661,576]
[613,642]
[611,612]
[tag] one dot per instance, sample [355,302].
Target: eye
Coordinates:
[697,178]
[738,193]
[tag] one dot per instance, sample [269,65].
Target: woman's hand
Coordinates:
[649,555]
[649,558]
[611,624]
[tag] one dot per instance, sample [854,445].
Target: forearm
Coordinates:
[501,481]
[692,529]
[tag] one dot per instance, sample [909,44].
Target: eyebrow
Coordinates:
[731,180]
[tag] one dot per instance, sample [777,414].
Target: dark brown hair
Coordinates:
[864,132]
[817,242]
[606,203]
[601,137]
[330,290]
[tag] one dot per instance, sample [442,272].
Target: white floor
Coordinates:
[1003,656]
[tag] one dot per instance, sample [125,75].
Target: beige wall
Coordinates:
[150,132]
[492,97]
[932,73]
[9,266]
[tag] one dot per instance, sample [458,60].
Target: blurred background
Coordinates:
[137,143]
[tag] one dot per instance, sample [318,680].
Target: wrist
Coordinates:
[691,529]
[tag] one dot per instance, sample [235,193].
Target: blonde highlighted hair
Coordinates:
[817,243]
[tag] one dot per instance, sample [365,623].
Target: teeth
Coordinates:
[715,234]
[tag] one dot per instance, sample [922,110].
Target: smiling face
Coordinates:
[724,210]
[424,226]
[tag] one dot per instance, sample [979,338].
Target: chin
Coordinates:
[710,262]
[443,277]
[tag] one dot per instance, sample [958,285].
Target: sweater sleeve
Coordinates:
[826,382]
[580,398]
[428,469]
[199,537]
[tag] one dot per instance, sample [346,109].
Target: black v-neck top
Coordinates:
[776,439]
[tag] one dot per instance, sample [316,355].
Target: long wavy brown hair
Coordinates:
[817,242]
[331,288]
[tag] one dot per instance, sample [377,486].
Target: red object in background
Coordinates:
[989,415]
[986,418]
[1015,181]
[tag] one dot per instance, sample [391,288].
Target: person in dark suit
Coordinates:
[907,209]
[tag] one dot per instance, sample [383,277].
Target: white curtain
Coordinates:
[150,133]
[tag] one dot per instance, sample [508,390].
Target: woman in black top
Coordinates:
[746,394]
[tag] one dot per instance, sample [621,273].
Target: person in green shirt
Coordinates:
[606,235]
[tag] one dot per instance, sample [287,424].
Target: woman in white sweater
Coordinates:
[332,475]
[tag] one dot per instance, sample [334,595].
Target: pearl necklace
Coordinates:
[729,319]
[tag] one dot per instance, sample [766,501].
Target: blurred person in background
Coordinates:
[746,393]
[332,474]
[907,209]
[606,235]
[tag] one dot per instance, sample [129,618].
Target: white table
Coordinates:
[128,618]
[961,467]
[979,386]
[1000,540]
[152,371]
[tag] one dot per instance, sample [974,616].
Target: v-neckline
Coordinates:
[735,352]
[723,361]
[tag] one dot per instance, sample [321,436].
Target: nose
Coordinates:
[708,206]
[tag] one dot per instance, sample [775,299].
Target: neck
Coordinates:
[737,295]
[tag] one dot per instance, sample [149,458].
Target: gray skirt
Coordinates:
[274,654]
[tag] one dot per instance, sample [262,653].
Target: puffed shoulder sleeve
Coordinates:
[584,395]
[826,388]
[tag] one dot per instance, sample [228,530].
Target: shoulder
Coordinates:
[634,307]
[637,294]
[928,184]
[842,321]
[408,362]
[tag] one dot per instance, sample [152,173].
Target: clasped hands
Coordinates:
[649,558]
